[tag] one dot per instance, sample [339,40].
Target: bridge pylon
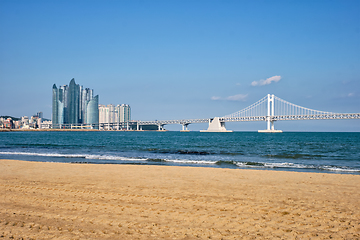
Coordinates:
[270,115]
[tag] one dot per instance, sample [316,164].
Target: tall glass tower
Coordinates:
[72,105]
[92,111]
[55,106]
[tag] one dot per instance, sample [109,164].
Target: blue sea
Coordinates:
[289,151]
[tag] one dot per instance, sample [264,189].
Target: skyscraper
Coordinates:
[74,105]
[55,105]
[85,95]
[114,114]
[124,112]
[92,111]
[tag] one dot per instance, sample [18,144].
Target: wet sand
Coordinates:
[94,201]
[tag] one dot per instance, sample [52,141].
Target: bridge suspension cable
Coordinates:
[280,107]
[254,110]
[283,108]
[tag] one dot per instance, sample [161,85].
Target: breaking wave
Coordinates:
[85,156]
[106,158]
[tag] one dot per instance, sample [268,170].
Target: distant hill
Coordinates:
[13,118]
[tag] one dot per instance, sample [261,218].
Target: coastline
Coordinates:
[61,200]
[73,130]
[48,130]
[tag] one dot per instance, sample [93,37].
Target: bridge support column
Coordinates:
[270,110]
[216,126]
[160,127]
[270,128]
[185,127]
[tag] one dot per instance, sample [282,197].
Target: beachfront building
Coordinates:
[92,111]
[114,115]
[104,115]
[124,113]
[8,123]
[24,120]
[46,124]
[74,105]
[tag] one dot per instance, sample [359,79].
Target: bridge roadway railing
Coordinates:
[242,119]
[182,121]
[253,118]
[317,116]
[293,117]
[69,126]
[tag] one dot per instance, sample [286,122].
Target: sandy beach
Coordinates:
[93,201]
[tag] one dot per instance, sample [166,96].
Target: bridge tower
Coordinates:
[270,115]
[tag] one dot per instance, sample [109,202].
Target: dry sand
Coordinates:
[83,201]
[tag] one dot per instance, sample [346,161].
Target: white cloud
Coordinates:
[215,98]
[350,94]
[238,97]
[267,81]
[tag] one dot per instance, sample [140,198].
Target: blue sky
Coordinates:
[184,59]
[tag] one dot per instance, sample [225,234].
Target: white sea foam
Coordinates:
[299,166]
[287,165]
[338,169]
[273,165]
[185,161]
[44,154]
[110,157]
[86,156]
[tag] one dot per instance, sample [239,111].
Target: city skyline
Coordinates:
[183,60]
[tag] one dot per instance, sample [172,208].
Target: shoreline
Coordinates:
[48,130]
[59,200]
[75,130]
[215,166]
[97,130]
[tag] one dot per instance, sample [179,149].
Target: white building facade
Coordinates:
[110,113]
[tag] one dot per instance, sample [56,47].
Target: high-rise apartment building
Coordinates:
[124,112]
[92,111]
[74,104]
[40,114]
[120,113]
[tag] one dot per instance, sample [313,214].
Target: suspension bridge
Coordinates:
[268,109]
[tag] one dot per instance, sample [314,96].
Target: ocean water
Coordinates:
[297,151]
